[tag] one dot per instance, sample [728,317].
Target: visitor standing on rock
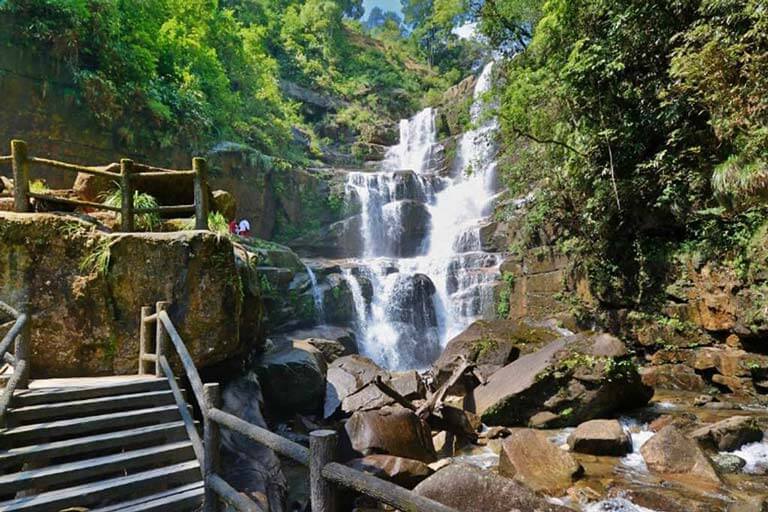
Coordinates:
[244,228]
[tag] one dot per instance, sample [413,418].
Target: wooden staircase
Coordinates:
[98,445]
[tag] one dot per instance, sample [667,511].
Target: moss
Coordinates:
[485,345]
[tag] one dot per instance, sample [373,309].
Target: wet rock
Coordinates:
[333,333]
[331,349]
[347,376]
[729,434]
[577,378]
[685,421]
[392,431]
[728,463]
[404,472]
[493,343]
[673,455]
[529,457]
[293,378]
[471,489]
[600,437]
[338,301]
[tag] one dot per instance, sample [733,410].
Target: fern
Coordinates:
[141,201]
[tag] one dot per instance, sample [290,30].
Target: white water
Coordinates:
[421,240]
[317,295]
[756,456]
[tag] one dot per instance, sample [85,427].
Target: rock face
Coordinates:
[600,437]
[673,455]
[730,434]
[250,466]
[293,378]
[529,457]
[491,344]
[86,290]
[571,380]
[404,472]
[471,489]
[393,431]
[350,387]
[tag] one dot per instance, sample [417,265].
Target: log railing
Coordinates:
[125,174]
[326,475]
[18,337]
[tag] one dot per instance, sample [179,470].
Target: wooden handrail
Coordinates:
[325,473]
[186,359]
[186,416]
[10,337]
[75,168]
[125,173]
[74,202]
[263,436]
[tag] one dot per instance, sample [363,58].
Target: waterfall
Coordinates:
[422,249]
[317,295]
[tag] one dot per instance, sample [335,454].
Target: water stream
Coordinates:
[420,226]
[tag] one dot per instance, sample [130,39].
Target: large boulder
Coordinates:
[673,455]
[86,289]
[569,381]
[404,472]
[350,385]
[532,459]
[600,437]
[468,488]
[293,378]
[224,203]
[491,344]
[251,467]
[392,431]
[729,434]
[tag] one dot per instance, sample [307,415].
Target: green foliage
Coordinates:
[165,71]
[97,261]
[624,115]
[141,201]
[38,187]
[218,224]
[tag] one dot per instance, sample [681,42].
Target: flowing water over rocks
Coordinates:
[420,249]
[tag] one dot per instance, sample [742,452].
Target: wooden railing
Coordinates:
[125,173]
[324,472]
[18,336]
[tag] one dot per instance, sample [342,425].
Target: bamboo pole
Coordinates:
[20,156]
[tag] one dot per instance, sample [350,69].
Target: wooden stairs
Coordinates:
[98,445]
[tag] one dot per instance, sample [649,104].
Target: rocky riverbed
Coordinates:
[523,417]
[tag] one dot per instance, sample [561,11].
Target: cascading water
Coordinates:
[317,295]
[420,228]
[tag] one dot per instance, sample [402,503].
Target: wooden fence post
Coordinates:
[200,166]
[126,196]
[322,450]
[212,397]
[20,156]
[21,348]
[161,338]
[143,339]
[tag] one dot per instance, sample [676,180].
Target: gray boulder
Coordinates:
[569,381]
[600,437]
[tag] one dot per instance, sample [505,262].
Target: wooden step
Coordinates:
[75,472]
[29,434]
[182,499]
[90,406]
[113,490]
[36,396]
[164,432]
